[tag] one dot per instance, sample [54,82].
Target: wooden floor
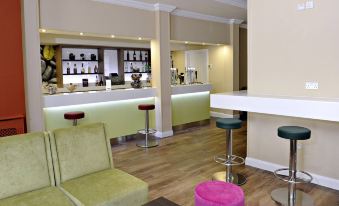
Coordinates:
[182,161]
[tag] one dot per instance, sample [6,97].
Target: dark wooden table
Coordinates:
[161,201]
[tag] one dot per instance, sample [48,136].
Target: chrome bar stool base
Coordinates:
[237,179]
[281,196]
[148,144]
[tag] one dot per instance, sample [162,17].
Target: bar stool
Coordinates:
[229,159]
[74,116]
[147,142]
[290,195]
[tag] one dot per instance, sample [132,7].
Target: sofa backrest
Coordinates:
[25,164]
[79,151]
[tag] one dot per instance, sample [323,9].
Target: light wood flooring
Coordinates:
[180,162]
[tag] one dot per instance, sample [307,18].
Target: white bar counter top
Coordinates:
[86,97]
[303,107]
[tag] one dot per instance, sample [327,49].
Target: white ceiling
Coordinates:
[229,9]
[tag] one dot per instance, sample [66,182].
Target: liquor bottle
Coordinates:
[101,83]
[134,56]
[96,81]
[146,56]
[75,70]
[140,56]
[68,69]
[89,69]
[82,69]
[95,69]
[131,68]
[128,56]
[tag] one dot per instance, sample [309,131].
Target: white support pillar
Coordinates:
[32,71]
[160,51]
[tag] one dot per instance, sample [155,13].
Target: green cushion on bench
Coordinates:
[50,196]
[108,187]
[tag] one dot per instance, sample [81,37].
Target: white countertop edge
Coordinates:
[192,88]
[303,107]
[77,98]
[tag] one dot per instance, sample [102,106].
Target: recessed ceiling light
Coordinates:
[139,38]
[81,34]
[112,36]
[43,30]
[186,42]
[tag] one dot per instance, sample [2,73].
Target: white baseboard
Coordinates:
[164,134]
[223,115]
[317,179]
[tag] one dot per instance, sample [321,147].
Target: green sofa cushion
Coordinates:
[108,187]
[50,196]
[25,164]
[80,150]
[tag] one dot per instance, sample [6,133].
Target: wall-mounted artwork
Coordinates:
[48,64]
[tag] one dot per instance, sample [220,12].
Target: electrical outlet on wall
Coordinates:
[311,85]
[309,4]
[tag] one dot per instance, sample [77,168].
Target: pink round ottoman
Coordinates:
[217,193]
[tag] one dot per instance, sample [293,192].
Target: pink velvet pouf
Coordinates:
[217,193]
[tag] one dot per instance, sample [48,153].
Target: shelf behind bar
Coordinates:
[78,60]
[84,74]
[135,60]
[137,72]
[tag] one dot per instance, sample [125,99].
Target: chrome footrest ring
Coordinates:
[233,161]
[301,176]
[150,131]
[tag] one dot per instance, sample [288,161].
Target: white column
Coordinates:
[160,51]
[32,71]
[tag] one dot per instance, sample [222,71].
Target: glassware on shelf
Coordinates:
[75,70]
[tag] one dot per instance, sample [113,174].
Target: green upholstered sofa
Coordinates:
[26,172]
[84,169]
[78,160]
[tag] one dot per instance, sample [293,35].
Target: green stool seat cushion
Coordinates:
[228,123]
[294,132]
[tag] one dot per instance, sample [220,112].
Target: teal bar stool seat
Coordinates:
[229,159]
[290,195]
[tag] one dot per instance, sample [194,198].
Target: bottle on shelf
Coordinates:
[96,81]
[131,68]
[89,69]
[127,56]
[82,68]
[75,70]
[146,56]
[134,56]
[68,68]
[140,56]
[101,83]
[96,70]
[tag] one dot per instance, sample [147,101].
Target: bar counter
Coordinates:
[118,107]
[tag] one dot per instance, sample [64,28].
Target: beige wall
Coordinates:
[289,47]
[286,49]
[99,18]
[242,58]
[194,30]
